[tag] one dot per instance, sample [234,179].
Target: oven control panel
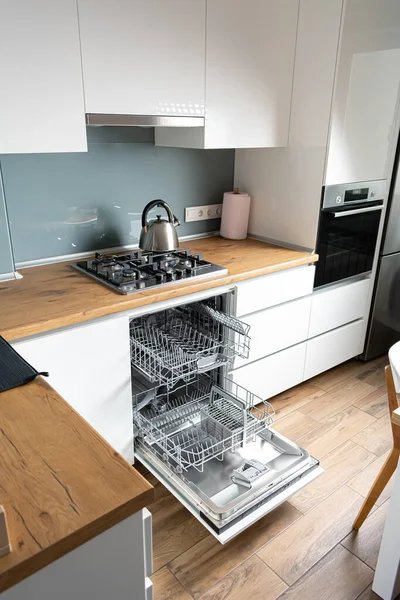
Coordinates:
[350,194]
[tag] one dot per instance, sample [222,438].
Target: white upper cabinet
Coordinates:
[143,57]
[41,99]
[250,48]
[366,101]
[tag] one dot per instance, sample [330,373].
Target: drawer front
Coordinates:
[331,349]
[269,290]
[335,307]
[277,328]
[273,374]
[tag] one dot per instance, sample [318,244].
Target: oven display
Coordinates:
[356,195]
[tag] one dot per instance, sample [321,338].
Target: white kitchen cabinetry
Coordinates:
[143,57]
[111,565]
[276,328]
[250,49]
[339,305]
[332,348]
[269,290]
[89,367]
[41,100]
[366,99]
[285,183]
[273,374]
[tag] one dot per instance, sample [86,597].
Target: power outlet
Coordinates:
[202,213]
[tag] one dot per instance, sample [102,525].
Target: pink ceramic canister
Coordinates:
[235,215]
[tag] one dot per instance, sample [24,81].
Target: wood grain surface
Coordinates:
[338,576]
[56,295]
[319,531]
[253,579]
[366,542]
[61,484]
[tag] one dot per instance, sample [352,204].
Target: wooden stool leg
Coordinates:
[378,486]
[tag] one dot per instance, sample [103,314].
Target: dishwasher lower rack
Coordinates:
[178,343]
[196,422]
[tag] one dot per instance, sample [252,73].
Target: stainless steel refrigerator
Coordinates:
[384,324]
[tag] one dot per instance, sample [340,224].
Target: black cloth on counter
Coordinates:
[14,370]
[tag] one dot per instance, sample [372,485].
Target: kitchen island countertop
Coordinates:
[61,483]
[56,295]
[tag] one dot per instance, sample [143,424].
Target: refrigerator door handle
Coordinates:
[356,211]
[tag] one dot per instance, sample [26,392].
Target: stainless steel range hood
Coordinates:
[104,120]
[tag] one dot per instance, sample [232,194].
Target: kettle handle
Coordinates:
[171,217]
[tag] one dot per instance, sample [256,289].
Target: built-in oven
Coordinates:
[348,230]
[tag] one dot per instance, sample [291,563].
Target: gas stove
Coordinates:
[135,271]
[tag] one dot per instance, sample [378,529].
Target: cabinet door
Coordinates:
[249,72]
[366,98]
[41,100]
[144,57]
[277,328]
[273,374]
[89,366]
[332,348]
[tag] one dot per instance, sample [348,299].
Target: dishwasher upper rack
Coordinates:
[197,422]
[179,343]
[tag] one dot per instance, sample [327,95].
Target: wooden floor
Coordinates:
[305,549]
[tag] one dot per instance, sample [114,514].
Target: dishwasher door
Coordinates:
[208,443]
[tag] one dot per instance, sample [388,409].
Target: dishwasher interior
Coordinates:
[206,438]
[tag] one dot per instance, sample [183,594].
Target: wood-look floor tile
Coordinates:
[368,594]
[174,528]
[253,579]
[340,465]
[335,377]
[363,481]
[365,542]
[167,587]
[292,399]
[305,542]
[333,402]
[375,373]
[375,404]
[338,576]
[376,438]
[203,565]
[335,431]
[295,425]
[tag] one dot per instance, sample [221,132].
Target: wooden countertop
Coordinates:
[56,295]
[61,484]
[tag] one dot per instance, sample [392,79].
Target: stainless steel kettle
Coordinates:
[159,235]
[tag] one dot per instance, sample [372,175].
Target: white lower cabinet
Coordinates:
[332,348]
[270,290]
[111,565]
[336,306]
[89,367]
[277,328]
[273,374]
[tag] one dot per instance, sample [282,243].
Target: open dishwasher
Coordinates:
[208,440]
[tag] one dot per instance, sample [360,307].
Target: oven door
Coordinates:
[346,242]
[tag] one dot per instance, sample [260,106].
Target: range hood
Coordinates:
[104,120]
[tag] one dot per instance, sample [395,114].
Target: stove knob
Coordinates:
[159,277]
[140,285]
[189,270]
[169,275]
[179,273]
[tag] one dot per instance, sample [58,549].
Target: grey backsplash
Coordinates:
[6,258]
[61,204]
